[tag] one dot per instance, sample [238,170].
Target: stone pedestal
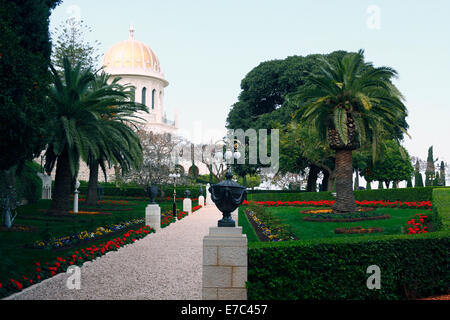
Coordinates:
[224,264]
[153,216]
[201,201]
[187,205]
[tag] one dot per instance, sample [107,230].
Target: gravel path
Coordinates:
[166,265]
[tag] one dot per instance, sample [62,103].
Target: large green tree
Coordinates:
[263,104]
[76,125]
[301,147]
[393,166]
[352,102]
[24,79]
[70,42]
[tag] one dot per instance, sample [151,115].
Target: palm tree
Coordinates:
[76,125]
[122,146]
[351,102]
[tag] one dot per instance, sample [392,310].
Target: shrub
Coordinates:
[403,194]
[336,268]
[140,191]
[26,182]
[264,195]
[30,185]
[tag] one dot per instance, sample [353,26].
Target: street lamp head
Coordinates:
[228,155]
[218,156]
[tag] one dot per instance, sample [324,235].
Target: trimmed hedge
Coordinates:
[411,266]
[290,196]
[403,194]
[140,191]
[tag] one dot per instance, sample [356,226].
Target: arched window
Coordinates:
[153,98]
[144,93]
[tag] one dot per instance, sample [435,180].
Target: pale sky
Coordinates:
[206,48]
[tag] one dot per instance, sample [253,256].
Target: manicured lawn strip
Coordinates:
[441,207]
[306,230]
[335,268]
[246,226]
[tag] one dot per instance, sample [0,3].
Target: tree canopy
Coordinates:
[25,50]
[395,165]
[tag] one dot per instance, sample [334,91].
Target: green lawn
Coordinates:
[246,226]
[306,230]
[17,260]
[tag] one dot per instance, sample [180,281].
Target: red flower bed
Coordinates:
[418,224]
[86,254]
[48,270]
[364,203]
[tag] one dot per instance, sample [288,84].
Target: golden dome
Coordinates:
[131,55]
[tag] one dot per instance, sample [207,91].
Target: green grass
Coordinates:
[441,205]
[17,260]
[306,230]
[246,226]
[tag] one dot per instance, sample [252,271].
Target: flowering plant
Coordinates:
[84,235]
[47,270]
[418,224]
[363,203]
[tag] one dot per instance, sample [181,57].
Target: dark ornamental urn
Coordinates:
[187,194]
[227,195]
[152,192]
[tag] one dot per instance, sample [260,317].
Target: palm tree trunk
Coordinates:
[63,179]
[345,199]
[91,197]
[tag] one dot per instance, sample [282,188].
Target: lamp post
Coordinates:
[227,194]
[75,197]
[174,176]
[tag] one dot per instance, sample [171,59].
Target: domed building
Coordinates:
[136,63]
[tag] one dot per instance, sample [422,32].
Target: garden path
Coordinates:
[166,265]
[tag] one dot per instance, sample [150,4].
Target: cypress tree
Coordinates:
[368,186]
[436,179]
[380,185]
[409,183]
[442,174]
[418,181]
[430,171]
